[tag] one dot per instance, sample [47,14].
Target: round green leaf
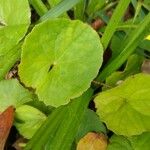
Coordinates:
[12,93]
[126,108]
[60,58]
[14,22]
[28,120]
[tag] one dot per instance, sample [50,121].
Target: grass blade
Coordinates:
[114,22]
[71,122]
[127,48]
[59,9]
[61,127]
[49,126]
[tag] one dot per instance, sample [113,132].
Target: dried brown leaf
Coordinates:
[6,121]
[93,141]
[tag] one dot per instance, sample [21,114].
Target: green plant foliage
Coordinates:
[79,10]
[147,2]
[59,9]
[116,41]
[125,109]
[12,93]
[14,21]
[90,123]
[28,124]
[94,5]
[140,142]
[61,127]
[57,65]
[133,66]
[53,74]
[119,142]
[114,21]
[54,2]
[139,12]
[28,120]
[145,45]
[46,109]
[127,48]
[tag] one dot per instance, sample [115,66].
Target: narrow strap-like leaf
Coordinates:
[61,127]
[127,48]
[114,22]
[59,9]
[45,129]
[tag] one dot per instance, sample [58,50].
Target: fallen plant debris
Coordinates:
[6,122]
[97,24]
[93,141]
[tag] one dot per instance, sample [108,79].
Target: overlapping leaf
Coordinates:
[133,66]
[14,21]
[126,108]
[140,142]
[13,94]
[60,129]
[28,120]
[62,64]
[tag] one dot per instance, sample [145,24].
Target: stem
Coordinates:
[110,5]
[39,6]
[126,26]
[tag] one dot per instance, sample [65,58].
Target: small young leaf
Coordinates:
[28,120]
[13,94]
[133,66]
[126,108]
[57,65]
